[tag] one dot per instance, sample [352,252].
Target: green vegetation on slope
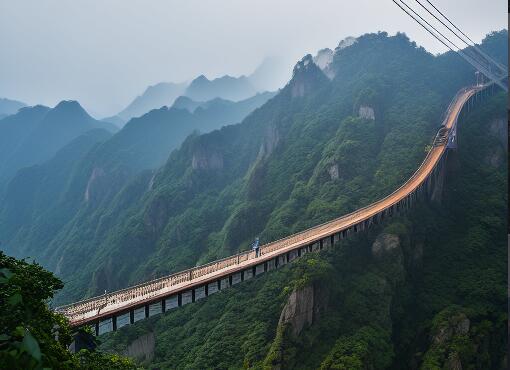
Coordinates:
[399,296]
[31,335]
[304,157]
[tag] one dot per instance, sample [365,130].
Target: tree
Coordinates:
[32,335]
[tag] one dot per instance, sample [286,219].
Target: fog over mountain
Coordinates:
[270,75]
[55,54]
[329,162]
[35,134]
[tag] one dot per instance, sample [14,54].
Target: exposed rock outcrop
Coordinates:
[323,60]
[271,140]
[207,160]
[334,172]
[366,112]
[306,77]
[96,174]
[303,308]
[453,362]
[151,182]
[142,348]
[456,325]
[298,310]
[386,244]
[348,41]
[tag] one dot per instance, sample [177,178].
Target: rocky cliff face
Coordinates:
[207,160]
[94,176]
[303,307]
[334,172]
[323,60]
[307,76]
[142,348]
[299,309]
[271,140]
[366,112]
[386,244]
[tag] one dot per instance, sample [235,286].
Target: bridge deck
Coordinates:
[92,309]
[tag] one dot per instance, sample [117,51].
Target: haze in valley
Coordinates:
[104,54]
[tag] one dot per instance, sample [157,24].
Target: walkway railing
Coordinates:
[92,307]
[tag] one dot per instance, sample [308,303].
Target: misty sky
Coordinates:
[105,52]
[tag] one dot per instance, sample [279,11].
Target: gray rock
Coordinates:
[142,348]
[385,244]
[299,309]
[366,112]
[333,171]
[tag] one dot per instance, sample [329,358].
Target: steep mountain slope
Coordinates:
[16,128]
[38,199]
[399,296]
[304,157]
[89,189]
[226,87]
[34,134]
[154,97]
[8,107]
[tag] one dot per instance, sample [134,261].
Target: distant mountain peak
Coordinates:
[70,107]
[323,60]
[200,78]
[226,87]
[68,104]
[348,41]
[8,106]
[304,64]
[155,96]
[306,77]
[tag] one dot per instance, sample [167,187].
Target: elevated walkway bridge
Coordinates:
[123,307]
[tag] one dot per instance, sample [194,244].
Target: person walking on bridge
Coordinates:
[255,247]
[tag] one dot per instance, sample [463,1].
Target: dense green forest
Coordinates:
[85,174]
[33,336]
[398,297]
[426,290]
[304,157]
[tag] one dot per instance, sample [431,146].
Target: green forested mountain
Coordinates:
[397,297]
[323,146]
[83,180]
[34,134]
[309,154]
[39,199]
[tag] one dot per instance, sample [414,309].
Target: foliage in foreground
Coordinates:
[33,336]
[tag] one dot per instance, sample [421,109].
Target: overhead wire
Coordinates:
[459,50]
[436,34]
[470,44]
